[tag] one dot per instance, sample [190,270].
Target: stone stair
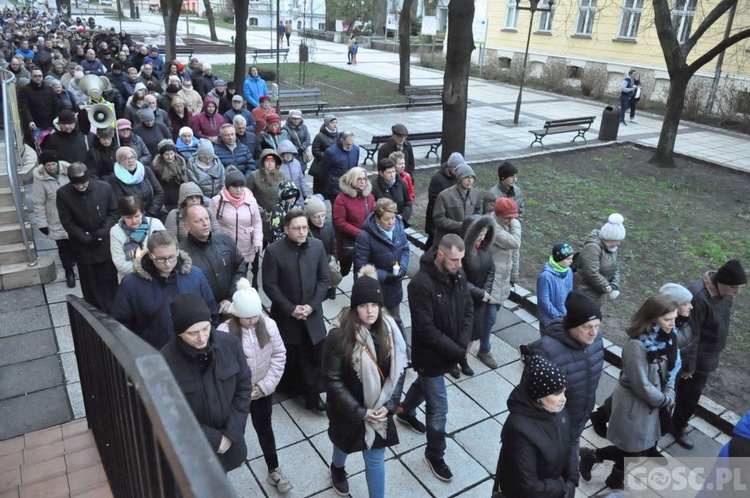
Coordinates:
[15,272]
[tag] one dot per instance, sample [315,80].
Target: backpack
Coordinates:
[576,264]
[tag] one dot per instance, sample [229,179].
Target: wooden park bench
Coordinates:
[425,94]
[269,53]
[183,50]
[433,139]
[302,98]
[555,126]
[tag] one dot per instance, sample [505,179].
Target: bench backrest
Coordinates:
[270,50]
[299,92]
[380,139]
[558,123]
[423,89]
[432,135]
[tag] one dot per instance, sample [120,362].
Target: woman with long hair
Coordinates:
[365,359]
[266,356]
[650,363]
[350,210]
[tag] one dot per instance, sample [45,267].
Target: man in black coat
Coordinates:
[295,279]
[442,314]
[388,184]
[68,142]
[216,254]
[38,105]
[212,373]
[88,209]
[398,142]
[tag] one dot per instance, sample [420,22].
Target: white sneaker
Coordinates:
[632,120]
[279,480]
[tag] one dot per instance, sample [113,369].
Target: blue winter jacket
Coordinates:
[552,287]
[254,88]
[144,297]
[336,162]
[373,247]
[249,119]
[241,157]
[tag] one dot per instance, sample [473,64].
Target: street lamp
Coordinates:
[533,8]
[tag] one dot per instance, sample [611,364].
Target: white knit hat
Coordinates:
[246,301]
[614,228]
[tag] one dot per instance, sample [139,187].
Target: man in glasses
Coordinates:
[161,274]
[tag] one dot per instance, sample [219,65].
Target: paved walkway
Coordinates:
[39,384]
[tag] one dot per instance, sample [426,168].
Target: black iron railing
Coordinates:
[148,439]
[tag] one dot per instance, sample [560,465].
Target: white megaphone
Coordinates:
[92,86]
[101,116]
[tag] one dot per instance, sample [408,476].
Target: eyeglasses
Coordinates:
[362,179]
[165,259]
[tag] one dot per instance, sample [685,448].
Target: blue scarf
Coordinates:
[659,343]
[136,236]
[129,178]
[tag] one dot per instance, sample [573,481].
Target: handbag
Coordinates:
[306,156]
[336,276]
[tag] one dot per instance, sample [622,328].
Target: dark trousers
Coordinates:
[302,371]
[616,455]
[688,393]
[624,106]
[66,254]
[99,284]
[260,413]
[633,104]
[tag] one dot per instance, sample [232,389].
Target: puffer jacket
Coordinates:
[254,88]
[452,207]
[582,365]
[266,363]
[478,266]
[598,268]
[373,247]
[210,179]
[336,161]
[149,189]
[504,243]
[440,181]
[45,199]
[117,240]
[175,224]
[442,317]
[240,157]
[144,298]
[101,160]
[293,170]
[299,135]
[170,180]
[206,125]
[709,322]
[187,151]
[242,223]
[350,209]
[552,288]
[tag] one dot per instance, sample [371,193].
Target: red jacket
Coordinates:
[207,125]
[349,213]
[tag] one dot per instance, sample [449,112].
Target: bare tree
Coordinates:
[404,47]
[211,20]
[240,41]
[676,55]
[456,76]
[131,4]
[170,11]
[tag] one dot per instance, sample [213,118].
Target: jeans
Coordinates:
[374,469]
[261,410]
[624,106]
[432,391]
[490,317]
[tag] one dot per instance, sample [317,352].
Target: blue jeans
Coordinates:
[624,106]
[374,469]
[432,391]
[490,317]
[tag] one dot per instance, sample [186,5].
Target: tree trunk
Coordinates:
[404,47]
[131,4]
[170,12]
[240,42]
[379,14]
[210,19]
[456,76]
[664,155]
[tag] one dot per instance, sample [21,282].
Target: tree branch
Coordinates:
[667,35]
[713,16]
[717,49]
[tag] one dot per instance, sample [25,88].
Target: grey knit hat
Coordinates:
[678,293]
[464,171]
[455,160]
[205,148]
[328,118]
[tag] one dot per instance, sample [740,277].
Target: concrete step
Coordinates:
[13,253]
[6,197]
[8,214]
[10,233]
[17,275]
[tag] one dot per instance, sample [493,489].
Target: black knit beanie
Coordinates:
[366,288]
[187,310]
[505,170]
[731,273]
[581,309]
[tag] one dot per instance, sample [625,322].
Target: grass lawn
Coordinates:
[218,22]
[340,88]
[680,223]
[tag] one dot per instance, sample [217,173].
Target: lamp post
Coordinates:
[533,8]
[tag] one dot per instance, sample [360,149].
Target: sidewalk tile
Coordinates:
[466,471]
[489,390]
[86,457]
[79,442]
[9,477]
[465,410]
[11,445]
[44,436]
[482,442]
[244,483]
[399,481]
[86,477]
[75,427]
[310,474]
[42,470]
[50,488]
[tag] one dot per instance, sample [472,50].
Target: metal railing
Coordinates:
[149,442]
[13,135]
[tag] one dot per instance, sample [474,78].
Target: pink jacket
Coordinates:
[242,223]
[266,364]
[207,125]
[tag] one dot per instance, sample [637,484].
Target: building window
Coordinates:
[322,26]
[253,21]
[511,15]
[545,17]
[299,24]
[682,18]
[630,18]
[586,12]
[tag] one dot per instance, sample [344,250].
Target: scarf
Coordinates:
[129,178]
[388,233]
[659,343]
[203,357]
[234,201]
[556,266]
[171,171]
[366,368]
[136,236]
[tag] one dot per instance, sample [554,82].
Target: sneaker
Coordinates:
[439,468]
[339,481]
[412,422]
[587,460]
[487,358]
[633,120]
[279,481]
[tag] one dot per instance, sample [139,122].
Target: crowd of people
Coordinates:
[193,195]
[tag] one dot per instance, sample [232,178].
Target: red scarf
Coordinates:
[234,201]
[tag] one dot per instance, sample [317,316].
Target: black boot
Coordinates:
[616,479]
[465,368]
[339,480]
[599,422]
[331,294]
[587,460]
[70,277]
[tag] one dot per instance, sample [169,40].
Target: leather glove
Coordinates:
[401,272]
[44,230]
[390,278]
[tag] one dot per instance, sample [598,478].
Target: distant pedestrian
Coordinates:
[627,90]
[288,31]
[636,96]
[599,272]
[281,32]
[352,50]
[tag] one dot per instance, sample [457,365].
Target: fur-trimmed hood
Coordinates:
[470,230]
[350,191]
[41,174]
[184,266]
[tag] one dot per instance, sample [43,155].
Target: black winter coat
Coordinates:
[38,104]
[101,160]
[346,398]
[88,217]
[582,365]
[324,139]
[149,189]
[70,147]
[295,274]
[479,267]
[398,193]
[219,396]
[220,261]
[537,458]
[390,146]
[439,182]
[441,315]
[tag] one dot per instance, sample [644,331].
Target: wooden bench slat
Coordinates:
[424,94]
[433,139]
[555,126]
[291,98]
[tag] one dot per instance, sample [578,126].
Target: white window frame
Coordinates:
[546,17]
[586,15]
[630,19]
[511,15]
[683,14]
